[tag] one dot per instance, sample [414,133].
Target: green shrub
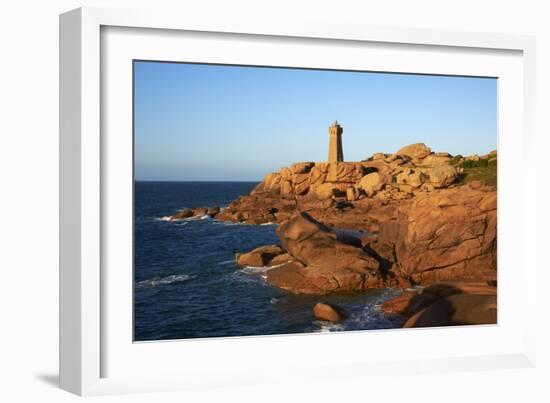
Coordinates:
[482,163]
[455,159]
[468,164]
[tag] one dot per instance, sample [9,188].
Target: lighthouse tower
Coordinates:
[335,152]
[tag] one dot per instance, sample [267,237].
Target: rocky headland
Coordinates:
[414,218]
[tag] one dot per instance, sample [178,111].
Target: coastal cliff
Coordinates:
[414,217]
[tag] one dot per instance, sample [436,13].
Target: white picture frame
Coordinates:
[87,344]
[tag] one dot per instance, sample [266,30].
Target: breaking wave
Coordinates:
[257,270]
[194,218]
[326,327]
[158,281]
[261,270]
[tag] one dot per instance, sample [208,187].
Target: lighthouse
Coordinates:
[335,151]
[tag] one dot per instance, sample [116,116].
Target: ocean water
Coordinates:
[187,285]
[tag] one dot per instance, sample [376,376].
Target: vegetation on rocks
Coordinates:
[486,175]
[481,163]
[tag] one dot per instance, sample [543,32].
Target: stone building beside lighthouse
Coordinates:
[335,151]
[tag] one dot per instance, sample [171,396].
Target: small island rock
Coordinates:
[329,313]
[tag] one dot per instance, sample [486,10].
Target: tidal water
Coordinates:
[186,283]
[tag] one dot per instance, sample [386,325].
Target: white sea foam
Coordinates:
[262,270]
[226,223]
[326,327]
[179,220]
[371,316]
[158,281]
[362,317]
[256,269]
[194,218]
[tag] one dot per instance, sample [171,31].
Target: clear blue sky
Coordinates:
[207,122]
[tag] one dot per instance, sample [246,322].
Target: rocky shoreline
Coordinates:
[424,223]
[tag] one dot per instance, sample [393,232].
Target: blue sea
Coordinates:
[187,284]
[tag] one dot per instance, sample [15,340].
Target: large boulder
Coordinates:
[329,313]
[445,235]
[441,176]
[325,191]
[271,183]
[297,278]
[194,212]
[411,302]
[316,245]
[182,214]
[259,208]
[415,151]
[286,188]
[436,159]
[372,183]
[398,305]
[413,179]
[300,182]
[281,259]
[396,159]
[301,167]
[472,287]
[349,172]
[324,262]
[318,174]
[407,303]
[457,309]
[259,257]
